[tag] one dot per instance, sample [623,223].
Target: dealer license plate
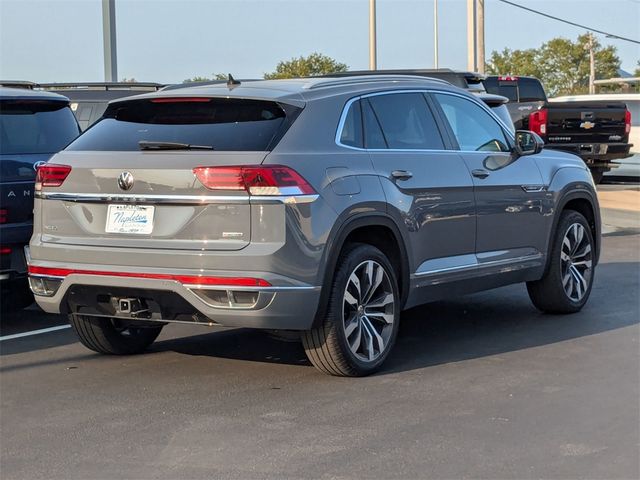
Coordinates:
[132,219]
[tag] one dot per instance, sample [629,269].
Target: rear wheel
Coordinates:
[598,175]
[361,322]
[113,336]
[566,286]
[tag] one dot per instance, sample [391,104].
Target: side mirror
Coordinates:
[527,143]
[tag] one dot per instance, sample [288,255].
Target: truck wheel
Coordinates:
[597,175]
[112,337]
[361,323]
[566,285]
[16,297]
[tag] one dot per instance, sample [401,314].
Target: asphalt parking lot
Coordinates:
[480,387]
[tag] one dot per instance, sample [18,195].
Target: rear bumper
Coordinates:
[595,154]
[13,264]
[284,305]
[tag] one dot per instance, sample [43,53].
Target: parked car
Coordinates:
[321,206]
[33,126]
[597,131]
[629,168]
[89,100]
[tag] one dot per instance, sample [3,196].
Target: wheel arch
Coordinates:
[582,202]
[361,228]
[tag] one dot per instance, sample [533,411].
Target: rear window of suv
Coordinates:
[35,126]
[227,124]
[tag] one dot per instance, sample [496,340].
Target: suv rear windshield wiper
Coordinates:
[151,145]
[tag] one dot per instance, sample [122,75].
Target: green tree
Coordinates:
[312,65]
[636,73]
[561,64]
[214,76]
[514,62]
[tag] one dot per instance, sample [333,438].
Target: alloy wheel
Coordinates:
[368,311]
[576,260]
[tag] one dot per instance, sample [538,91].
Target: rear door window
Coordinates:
[406,121]
[373,137]
[228,124]
[35,126]
[474,128]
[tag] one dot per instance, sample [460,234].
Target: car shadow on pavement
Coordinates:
[474,326]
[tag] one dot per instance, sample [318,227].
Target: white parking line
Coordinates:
[34,332]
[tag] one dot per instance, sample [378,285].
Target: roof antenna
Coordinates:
[232,82]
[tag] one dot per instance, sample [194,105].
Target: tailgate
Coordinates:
[586,122]
[165,206]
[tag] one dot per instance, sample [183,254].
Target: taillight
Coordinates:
[627,121]
[4,215]
[538,121]
[51,175]
[5,250]
[256,180]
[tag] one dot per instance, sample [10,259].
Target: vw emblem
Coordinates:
[125,181]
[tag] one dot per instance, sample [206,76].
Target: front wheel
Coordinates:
[361,322]
[566,285]
[112,336]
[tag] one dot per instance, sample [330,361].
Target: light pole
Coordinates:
[435,33]
[472,46]
[109,40]
[373,61]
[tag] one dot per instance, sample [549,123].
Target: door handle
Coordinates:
[480,173]
[401,174]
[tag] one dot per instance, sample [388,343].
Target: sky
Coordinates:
[168,41]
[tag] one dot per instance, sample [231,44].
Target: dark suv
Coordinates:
[322,206]
[33,126]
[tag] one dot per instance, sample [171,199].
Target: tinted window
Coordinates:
[473,127]
[373,137]
[228,124]
[531,90]
[507,89]
[502,112]
[406,121]
[352,129]
[32,126]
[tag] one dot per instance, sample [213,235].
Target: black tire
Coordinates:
[103,335]
[548,294]
[16,297]
[327,345]
[597,175]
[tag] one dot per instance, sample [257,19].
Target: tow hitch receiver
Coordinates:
[132,307]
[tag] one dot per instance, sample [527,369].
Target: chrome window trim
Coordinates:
[175,199]
[351,101]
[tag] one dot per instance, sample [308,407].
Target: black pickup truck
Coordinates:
[596,131]
[33,126]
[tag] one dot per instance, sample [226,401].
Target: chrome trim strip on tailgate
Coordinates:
[173,199]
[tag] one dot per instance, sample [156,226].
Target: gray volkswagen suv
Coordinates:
[323,206]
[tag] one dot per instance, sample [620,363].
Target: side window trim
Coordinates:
[375,117]
[449,138]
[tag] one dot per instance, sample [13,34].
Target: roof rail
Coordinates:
[356,79]
[18,84]
[103,86]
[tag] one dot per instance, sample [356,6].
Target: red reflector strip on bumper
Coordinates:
[184,279]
